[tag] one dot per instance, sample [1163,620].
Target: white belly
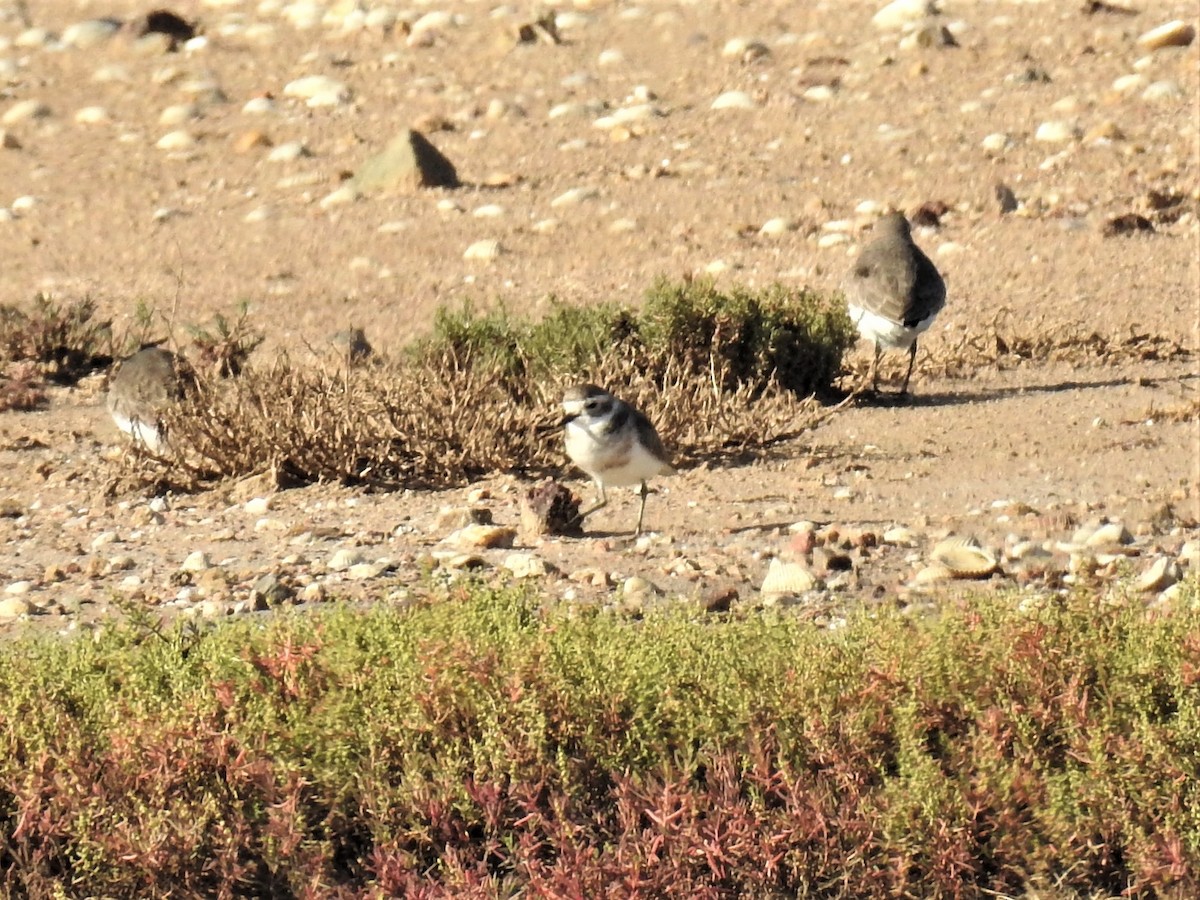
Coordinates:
[890,335]
[148,435]
[607,459]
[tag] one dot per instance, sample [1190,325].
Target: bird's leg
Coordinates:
[912,358]
[875,368]
[601,502]
[642,492]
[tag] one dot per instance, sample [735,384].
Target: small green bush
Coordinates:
[483,745]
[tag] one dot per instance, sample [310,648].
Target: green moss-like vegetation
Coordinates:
[792,338]
[478,745]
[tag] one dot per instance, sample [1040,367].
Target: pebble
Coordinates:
[345,558]
[176,140]
[347,193]
[197,561]
[525,565]
[1055,131]
[1173,34]
[288,152]
[11,607]
[178,114]
[574,196]
[19,587]
[483,251]
[104,539]
[91,33]
[24,111]
[900,536]
[482,536]
[776,227]
[92,115]
[318,90]
[257,506]
[997,142]
[734,100]
[900,13]
[367,571]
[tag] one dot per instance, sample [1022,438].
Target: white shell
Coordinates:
[787,578]
[964,558]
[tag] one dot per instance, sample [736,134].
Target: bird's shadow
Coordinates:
[893,400]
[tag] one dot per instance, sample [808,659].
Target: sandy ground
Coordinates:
[845,118]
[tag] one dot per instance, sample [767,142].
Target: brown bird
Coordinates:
[893,292]
[144,386]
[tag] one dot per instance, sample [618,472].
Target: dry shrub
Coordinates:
[22,388]
[421,426]
[61,338]
[717,373]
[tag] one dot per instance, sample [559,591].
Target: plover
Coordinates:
[612,442]
[893,292]
[144,386]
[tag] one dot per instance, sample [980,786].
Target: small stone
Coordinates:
[13,607]
[408,162]
[366,571]
[525,565]
[196,561]
[483,251]
[718,599]
[636,586]
[574,196]
[1055,132]
[8,140]
[19,587]
[120,563]
[900,536]
[322,89]
[549,508]
[1173,34]
[454,518]
[347,193]
[997,142]
[92,115]
[176,141]
[104,539]
[483,536]
[289,151]
[901,13]
[251,140]
[257,506]
[345,558]
[313,593]
[777,227]
[24,111]
[268,591]
[734,100]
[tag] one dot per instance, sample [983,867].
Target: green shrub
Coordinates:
[482,745]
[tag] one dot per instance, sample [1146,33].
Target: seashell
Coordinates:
[964,558]
[787,578]
[933,574]
[1161,574]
